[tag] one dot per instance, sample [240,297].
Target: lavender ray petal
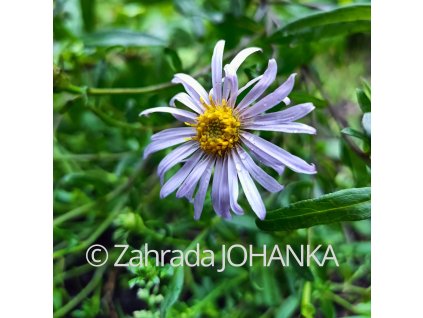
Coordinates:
[270,100]
[185,115]
[261,86]
[216,67]
[284,157]
[217,206]
[242,55]
[160,144]
[250,189]
[175,181]
[232,79]
[175,157]
[258,174]
[268,161]
[188,186]
[187,100]
[202,191]
[174,133]
[252,82]
[192,86]
[293,128]
[285,116]
[224,196]
[233,187]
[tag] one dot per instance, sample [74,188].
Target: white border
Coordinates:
[26,158]
[397,154]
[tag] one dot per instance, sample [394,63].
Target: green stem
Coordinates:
[128,91]
[76,271]
[344,303]
[83,294]
[91,239]
[107,198]
[90,157]
[113,122]
[74,213]
[216,292]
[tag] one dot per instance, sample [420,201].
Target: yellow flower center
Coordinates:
[217,128]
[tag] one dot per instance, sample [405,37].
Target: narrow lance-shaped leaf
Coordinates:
[173,292]
[340,21]
[125,38]
[363,100]
[344,205]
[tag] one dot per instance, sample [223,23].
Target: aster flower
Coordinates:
[216,138]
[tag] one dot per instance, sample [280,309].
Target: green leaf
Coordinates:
[174,291]
[288,307]
[88,14]
[345,205]
[363,100]
[354,133]
[341,21]
[303,97]
[125,38]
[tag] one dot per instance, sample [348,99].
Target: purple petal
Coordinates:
[175,157]
[252,82]
[285,116]
[184,114]
[241,56]
[219,194]
[233,187]
[188,186]
[224,195]
[293,128]
[258,173]
[202,191]
[175,181]
[174,133]
[270,100]
[192,86]
[269,161]
[216,67]
[160,144]
[263,84]
[232,80]
[284,157]
[185,99]
[250,189]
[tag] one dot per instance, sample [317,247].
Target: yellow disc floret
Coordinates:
[217,128]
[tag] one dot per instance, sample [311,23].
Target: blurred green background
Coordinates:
[115,58]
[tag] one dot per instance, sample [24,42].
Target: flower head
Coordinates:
[216,141]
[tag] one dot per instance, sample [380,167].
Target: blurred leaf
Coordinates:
[303,97]
[88,14]
[340,21]
[307,307]
[344,205]
[288,307]
[174,60]
[125,38]
[354,133]
[269,293]
[367,89]
[363,100]
[174,291]
[367,123]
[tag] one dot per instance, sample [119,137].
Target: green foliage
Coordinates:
[113,59]
[315,27]
[343,205]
